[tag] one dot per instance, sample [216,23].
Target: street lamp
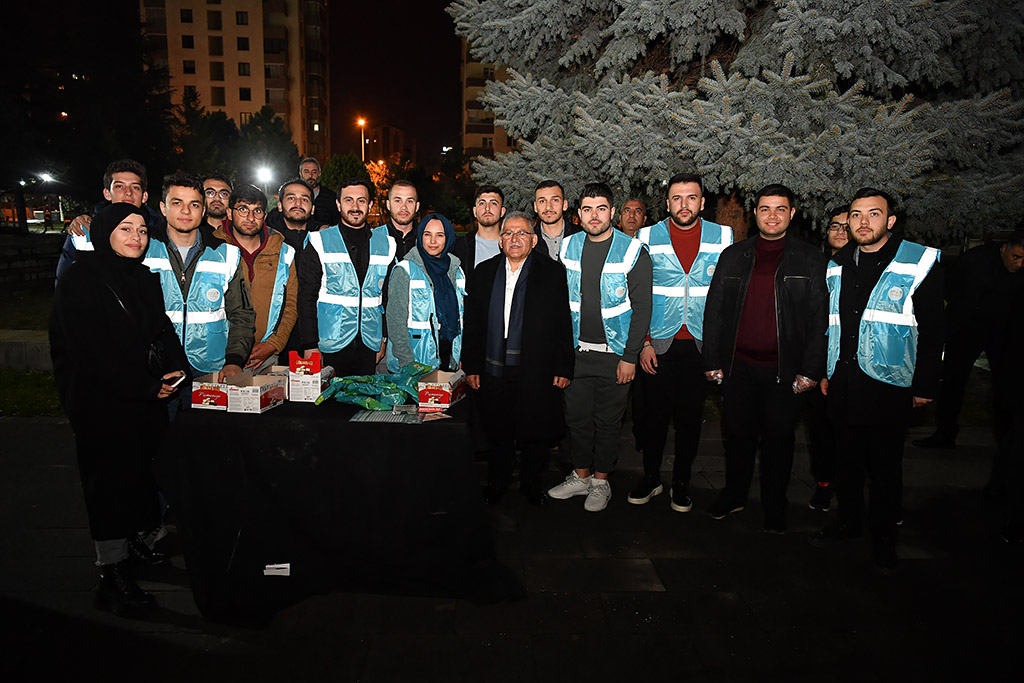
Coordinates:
[264,176]
[362,139]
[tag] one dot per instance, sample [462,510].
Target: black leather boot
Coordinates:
[143,554]
[117,593]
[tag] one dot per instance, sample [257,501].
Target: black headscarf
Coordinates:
[128,279]
[446,303]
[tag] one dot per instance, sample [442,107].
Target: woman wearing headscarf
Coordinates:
[424,311]
[115,357]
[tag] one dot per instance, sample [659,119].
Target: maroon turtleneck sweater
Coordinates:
[757,339]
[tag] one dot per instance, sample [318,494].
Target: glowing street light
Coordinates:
[362,139]
[264,175]
[46,177]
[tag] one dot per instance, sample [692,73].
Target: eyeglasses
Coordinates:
[243,211]
[223,194]
[509,234]
[836,227]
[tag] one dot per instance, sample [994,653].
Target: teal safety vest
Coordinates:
[422,319]
[678,296]
[345,308]
[82,242]
[284,265]
[887,337]
[616,309]
[200,318]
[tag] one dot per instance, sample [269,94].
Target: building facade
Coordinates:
[480,137]
[239,55]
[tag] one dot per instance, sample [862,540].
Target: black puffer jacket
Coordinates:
[801,308]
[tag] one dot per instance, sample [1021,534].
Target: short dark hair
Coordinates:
[294,181]
[217,176]
[307,160]
[545,184]
[403,183]
[181,180]
[1016,238]
[250,194]
[890,203]
[488,189]
[775,190]
[124,166]
[597,190]
[350,182]
[685,178]
[836,210]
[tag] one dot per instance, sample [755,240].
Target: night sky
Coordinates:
[395,62]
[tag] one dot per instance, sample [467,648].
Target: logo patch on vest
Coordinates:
[620,291]
[213,295]
[895,293]
[711,270]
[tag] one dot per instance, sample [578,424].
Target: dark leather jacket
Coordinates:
[801,308]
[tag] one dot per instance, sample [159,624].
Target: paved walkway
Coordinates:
[634,593]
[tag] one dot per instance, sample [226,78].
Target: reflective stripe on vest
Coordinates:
[344,308]
[82,242]
[284,264]
[423,326]
[887,336]
[616,309]
[200,319]
[679,297]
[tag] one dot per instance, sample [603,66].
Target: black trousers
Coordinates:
[874,451]
[960,355]
[497,396]
[354,359]
[760,414]
[675,393]
[822,437]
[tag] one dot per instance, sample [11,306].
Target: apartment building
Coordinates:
[480,137]
[239,55]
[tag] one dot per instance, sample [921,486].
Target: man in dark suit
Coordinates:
[518,355]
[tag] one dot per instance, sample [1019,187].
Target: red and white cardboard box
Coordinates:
[440,390]
[248,394]
[208,393]
[306,378]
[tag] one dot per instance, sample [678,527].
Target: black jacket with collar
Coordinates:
[569,228]
[801,308]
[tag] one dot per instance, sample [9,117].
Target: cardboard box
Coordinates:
[249,394]
[306,378]
[208,393]
[440,390]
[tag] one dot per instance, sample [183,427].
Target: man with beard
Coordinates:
[764,320]
[481,243]
[202,284]
[268,263]
[294,217]
[324,200]
[633,216]
[549,204]
[884,360]
[609,277]
[342,271]
[402,204]
[685,250]
[217,189]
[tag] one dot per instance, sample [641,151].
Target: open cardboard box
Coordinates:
[440,390]
[307,379]
[242,393]
[208,393]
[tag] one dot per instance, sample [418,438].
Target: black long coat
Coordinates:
[109,395]
[547,350]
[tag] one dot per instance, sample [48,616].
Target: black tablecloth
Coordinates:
[370,507]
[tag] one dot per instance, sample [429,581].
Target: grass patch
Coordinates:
[26,310]
[28,394]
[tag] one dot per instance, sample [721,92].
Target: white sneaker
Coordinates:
[598,496]
[572,486]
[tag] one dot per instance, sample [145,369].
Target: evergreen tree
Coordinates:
[919,97]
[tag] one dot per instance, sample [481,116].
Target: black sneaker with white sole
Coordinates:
[646,488]
[680,501]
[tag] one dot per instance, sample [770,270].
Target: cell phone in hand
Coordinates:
[181,378]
